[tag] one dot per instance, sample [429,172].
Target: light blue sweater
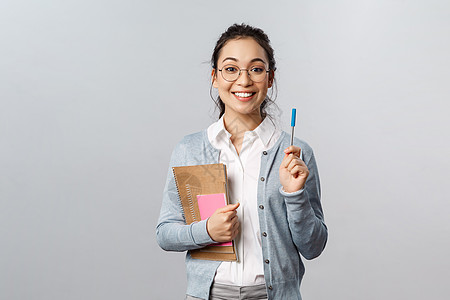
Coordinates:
[291,224]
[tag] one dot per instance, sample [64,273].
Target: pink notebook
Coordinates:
[208,204]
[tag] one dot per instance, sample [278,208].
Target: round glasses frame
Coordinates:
[239,74]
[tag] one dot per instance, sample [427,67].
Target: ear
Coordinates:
[271,78]
[214,78]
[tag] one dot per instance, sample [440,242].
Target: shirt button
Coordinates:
[269,287]
[261,206]
[262,179]
[266,261]
[264,234]
[265,152]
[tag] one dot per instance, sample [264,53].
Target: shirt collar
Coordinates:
[264,131]
[217,130]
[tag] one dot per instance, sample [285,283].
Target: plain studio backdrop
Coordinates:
[95,94]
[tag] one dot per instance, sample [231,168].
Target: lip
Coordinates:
[244,99]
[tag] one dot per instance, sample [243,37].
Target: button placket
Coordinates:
[242,218]
[240,163]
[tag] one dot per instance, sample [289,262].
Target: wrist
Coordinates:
[290,190]
[208,230]
[290,193]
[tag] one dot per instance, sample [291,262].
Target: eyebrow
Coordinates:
[253,60]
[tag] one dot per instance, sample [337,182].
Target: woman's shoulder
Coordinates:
[194,148]
[192,139]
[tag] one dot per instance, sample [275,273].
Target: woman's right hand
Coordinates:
[223,225]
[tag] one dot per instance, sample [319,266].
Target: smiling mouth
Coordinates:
[244,95]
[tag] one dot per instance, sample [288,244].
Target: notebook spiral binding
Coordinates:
[178,193]
[191,202]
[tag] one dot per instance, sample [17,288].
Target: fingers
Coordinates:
[294,150]
[231,229]
[235,228]
[226,213]
[228,208]
[235,221]
[229,216]
[293,163]
[294,166]
[287,160]
[290,161]
[295,170]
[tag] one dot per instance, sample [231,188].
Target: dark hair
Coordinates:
[237,31]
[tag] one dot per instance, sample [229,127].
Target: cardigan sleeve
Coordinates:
[305,215]
[172,233]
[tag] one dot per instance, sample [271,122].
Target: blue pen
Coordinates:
[294,111]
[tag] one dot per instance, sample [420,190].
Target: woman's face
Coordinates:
[243,96]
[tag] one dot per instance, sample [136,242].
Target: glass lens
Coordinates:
[230,72]
[257,73]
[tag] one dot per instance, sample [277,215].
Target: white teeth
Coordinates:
[243,95]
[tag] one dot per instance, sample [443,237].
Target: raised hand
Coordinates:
[293,171]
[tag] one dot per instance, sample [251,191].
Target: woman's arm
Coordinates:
[304,212]
[172,233]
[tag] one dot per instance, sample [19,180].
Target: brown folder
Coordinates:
[203,180]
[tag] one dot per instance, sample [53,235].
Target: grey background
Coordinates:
[95,94]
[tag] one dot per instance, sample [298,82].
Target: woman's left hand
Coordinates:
[293,171]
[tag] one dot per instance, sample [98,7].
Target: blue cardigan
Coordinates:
[291,223]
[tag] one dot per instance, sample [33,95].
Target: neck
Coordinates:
[238,124]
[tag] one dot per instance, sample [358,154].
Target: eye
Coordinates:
[257,70]
[230,69]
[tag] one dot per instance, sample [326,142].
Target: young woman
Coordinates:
[275,212]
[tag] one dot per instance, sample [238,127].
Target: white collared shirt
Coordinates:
[243,171]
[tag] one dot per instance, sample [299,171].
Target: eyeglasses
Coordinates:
[256,73]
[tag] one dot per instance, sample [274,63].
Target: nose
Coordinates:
[244,78]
